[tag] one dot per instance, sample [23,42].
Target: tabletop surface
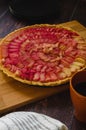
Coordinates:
[58,106]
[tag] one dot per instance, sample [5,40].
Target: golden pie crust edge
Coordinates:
[15,33]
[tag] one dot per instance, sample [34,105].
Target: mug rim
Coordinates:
[71,85]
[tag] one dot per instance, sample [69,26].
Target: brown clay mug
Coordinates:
[78,94]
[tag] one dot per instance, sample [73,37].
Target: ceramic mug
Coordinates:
[78,94]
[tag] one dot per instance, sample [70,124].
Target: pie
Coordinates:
[42,54]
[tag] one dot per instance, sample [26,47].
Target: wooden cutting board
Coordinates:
[14,94]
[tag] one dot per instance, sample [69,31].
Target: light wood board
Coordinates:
[14,94]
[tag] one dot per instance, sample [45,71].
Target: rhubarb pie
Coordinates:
[43,54]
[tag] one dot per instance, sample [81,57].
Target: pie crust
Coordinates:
[42,54]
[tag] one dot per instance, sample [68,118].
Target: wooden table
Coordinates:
[59,105]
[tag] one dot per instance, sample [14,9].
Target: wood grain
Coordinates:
[14,94]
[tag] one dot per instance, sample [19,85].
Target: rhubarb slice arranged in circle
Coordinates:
[44,55]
